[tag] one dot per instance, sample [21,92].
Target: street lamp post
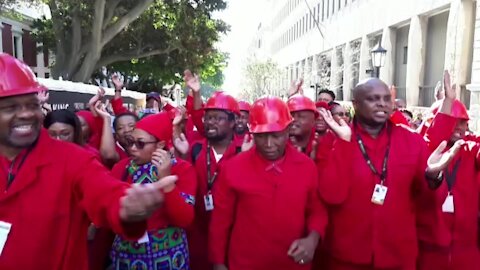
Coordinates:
[378,58]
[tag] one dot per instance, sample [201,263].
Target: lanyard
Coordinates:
[382,175]
[210,178]
[451,176]
[11,175]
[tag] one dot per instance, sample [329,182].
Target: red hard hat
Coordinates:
[301,103]
[244,106]
[459,110]
[222,101]
[269,114]
[16,78]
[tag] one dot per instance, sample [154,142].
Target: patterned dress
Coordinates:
[163,249]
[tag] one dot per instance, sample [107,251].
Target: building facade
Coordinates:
[328,43]
[16,40]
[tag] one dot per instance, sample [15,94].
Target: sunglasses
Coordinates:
[138,144]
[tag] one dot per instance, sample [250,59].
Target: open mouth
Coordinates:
[23,130]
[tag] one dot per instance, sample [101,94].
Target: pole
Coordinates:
[377,72]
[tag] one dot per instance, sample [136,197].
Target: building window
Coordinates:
[405,55]
[17,46]
[328,9]
[323,10]
[47,75]
[318,12]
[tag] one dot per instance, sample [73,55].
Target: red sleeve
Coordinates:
[317,216]
[398,118]
[117,106]
[221,222]
[334,167]
[189,104]
[168,107]
[179,203]
[197,118]
[100,195]
[441,129]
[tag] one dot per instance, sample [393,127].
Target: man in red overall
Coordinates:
[267,212]
[52,190]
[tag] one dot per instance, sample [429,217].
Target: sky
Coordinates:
[243,16]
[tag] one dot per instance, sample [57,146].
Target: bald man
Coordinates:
[373,184]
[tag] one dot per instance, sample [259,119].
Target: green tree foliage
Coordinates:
[259,79]
[150,40]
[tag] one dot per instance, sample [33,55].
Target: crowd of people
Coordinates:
[225,184]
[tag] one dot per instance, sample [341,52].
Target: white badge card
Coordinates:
[4,231]
[208,199]
[447,206]
[379,194]
[144,239]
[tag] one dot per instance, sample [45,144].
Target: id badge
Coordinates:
[379,194]
[448,206]
[144,239]
[4,231]
[208,199]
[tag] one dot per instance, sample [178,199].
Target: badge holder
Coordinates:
[4,231]
[379,194]
[448,206]
[208,200]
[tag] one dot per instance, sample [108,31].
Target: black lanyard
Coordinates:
[382,175]
[451,176]
[210,178]
[11,175]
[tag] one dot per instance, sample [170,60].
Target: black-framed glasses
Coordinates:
[138,144]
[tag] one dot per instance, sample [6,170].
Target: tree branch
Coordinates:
[128,18]
[111,6]
[108,60]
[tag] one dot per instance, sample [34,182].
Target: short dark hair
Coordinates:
[115,121]
[329,92]
[65,117]
[409,113]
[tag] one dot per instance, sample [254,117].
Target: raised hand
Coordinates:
[101,110]
[180,143]
[43,97]
[296,88]
[117,82]
[192,81]
[247,143]
[439,159]
[163,161]
[342,129]
[450,91]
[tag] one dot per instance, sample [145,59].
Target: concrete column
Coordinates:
[389,39]
[289,75]
[416,58]
[474,87]
[347,72]
[458,49]
[314,69]
[365,58]
[334,70]
[1,37]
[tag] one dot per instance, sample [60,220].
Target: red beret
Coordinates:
[158,125]
[322,104]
